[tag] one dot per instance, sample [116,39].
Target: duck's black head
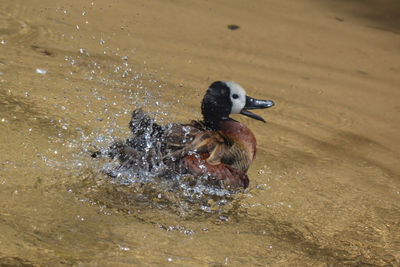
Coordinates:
[225,98]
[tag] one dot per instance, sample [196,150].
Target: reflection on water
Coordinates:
[324,186]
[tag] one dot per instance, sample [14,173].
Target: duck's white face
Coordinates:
[238,97]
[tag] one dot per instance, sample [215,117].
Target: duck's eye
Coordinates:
[235,96]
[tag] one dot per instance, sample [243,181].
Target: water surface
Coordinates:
[324,187]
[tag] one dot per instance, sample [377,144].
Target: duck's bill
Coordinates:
[252,103]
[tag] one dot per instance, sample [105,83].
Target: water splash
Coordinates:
[113,89]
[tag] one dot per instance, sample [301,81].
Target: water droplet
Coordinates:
[41,71]
[223,218]
[123,248]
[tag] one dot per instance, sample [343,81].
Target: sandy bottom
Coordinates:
[325,185]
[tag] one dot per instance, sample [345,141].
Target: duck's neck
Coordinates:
[213,122]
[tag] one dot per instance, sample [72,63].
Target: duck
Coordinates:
[218,146]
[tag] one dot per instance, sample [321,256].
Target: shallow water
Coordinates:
[324,187]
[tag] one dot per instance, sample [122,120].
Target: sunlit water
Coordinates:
[320,192]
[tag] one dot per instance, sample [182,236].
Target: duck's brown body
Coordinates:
[225,154]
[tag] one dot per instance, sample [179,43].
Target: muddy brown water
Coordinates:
[324,187]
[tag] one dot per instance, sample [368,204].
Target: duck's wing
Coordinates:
[201,142]
[141,123]
[177,136]
[237,157]
[132,158]
[212,143]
